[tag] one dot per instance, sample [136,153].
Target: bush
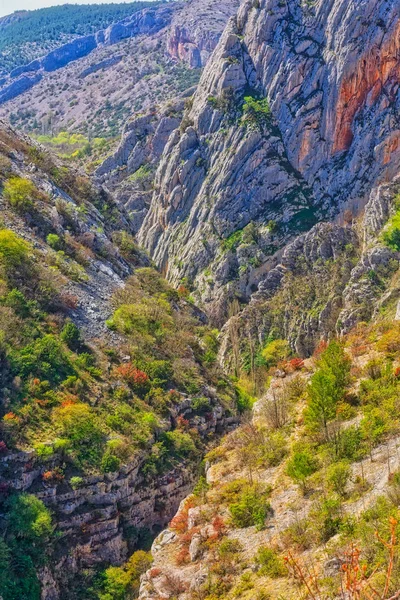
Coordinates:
[29,518]
[71,336]
[54,241]
[76,482]
[44,358]
[20,193]
[252,507]
[181,444]
[14,251]
[120,583]
[275,351]
[79,424]
[300,466]
[338,476]
[110,463]
[269,563]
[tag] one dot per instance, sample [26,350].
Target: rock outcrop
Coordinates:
[330,73]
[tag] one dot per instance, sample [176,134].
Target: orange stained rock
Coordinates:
[379,67]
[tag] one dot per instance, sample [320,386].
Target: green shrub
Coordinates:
[252,507]
[337,477]
[110,463]
[181,444]
[79,424]
[28,517]
[71,335]
[201,405]
[275,351]
[120,583]
[229,547]
[256,112]
[44,358]
[20,193]
[17,301]
[14,251]
[54,241]
[76,482]
[300,466]
[269,563]
[327,518]
[44,451]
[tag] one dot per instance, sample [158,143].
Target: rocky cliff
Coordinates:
[295,118]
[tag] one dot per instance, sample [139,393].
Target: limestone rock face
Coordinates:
[331,74]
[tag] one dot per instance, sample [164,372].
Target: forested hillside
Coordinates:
[32,33]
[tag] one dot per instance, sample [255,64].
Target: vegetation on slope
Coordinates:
[33,33]
[85,408]
[314,479]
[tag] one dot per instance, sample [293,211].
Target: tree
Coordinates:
[327,388]
[338,476]
[14,251]
[29,518]
[71,335]
[300,466]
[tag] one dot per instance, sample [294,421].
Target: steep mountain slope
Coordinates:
[28,35]
[109,393]
[295,117]
[93,84]
[291,509]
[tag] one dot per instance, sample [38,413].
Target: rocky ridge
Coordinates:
[318,153]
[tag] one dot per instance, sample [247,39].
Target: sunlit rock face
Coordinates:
[331,75]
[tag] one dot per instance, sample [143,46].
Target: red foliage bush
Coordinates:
[136,379]
[155,572]
[218,525]
[3,446]
[182,423]
[183,556]
[296,364]
[54,476]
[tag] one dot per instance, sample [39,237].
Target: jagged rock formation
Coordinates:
[325,282]
[331,75]
[129,172]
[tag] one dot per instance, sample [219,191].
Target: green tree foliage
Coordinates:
[71,335]
[23,548]
[251,508]
[300,466]
[44,358]
[14,251]
[327,388]
[269,563]
[122,583]
[29,518]
[78,423]
[338,476]
[20,193]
